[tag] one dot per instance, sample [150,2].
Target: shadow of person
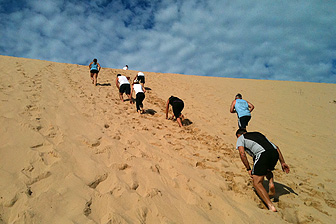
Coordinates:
[147,88]
[150,111]
[186,122]
[280,189]
[104,84]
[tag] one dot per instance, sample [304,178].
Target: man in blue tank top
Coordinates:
[243,109]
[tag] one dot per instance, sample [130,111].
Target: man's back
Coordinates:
[242,108]
[255,143]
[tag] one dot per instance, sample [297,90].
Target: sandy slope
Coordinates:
[73,153]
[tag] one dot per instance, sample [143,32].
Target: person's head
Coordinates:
[126,66]
[136,81]
[95,60]
[240,132]
[238,96]
[118,75]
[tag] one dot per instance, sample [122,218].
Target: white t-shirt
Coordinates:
[125,68]
[137,88]
[123,80]
[141,74]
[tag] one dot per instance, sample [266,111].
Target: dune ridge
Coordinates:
[74,153]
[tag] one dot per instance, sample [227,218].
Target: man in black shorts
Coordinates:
[177,105]
[265,156]
[124,86]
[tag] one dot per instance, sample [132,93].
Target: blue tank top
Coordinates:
[94,66]
[242,108]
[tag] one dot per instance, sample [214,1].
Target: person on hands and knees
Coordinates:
[265,156]
[177,105]
[139,96]
[124,86]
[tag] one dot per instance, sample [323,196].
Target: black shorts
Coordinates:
[125,88]
[141,79]
[265,162]
[177,108]
[94,71]
[243,121]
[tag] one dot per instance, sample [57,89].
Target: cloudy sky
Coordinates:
[278,40]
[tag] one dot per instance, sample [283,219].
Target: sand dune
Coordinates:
[74,153]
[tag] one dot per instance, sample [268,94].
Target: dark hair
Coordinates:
[239,96]
[240,131]
[118,75]
[95,60]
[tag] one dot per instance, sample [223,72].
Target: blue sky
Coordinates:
[276,40]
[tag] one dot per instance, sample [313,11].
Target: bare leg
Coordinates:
[130,98]
[121,97]
[95,79]
[91,74]
[271,187]
[179,122]
[257,183]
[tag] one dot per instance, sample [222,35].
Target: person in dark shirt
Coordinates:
[177,105]
[265,156]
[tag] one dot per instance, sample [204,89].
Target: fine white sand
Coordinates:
[74,153]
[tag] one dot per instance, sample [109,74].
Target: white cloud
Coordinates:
[284,40]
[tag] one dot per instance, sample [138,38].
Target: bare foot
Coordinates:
[271,190]
[272,208]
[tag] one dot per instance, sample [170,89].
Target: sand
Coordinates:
[74,153]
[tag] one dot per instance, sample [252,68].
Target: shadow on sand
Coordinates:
[103,84]
[186,122]
[280,190]
[150,111]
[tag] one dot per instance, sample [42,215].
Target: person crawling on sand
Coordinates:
[139,95]
[265,156]
[124,86]
[141,77]
[94,70]
[177,105]
[243,109]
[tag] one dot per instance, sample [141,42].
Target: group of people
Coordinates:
[138,88]
[265,154]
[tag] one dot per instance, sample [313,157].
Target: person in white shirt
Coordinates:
[124,86]
[141,78]
[126,67]
[139,96]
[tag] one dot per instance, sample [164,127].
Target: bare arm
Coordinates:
[99,67]
[135,77]
[132,90]
[232,107]
[284,166]
[244,159]
[167,107]
[90,65]
[117,83]
[250,105]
